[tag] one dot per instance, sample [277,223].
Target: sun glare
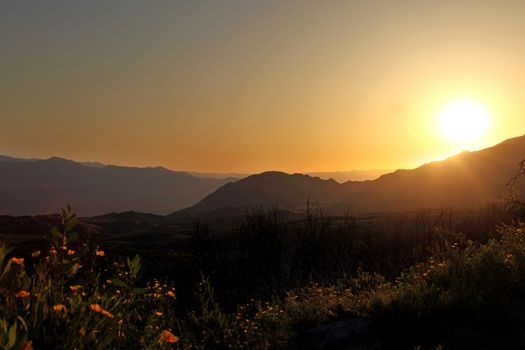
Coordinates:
[464,121]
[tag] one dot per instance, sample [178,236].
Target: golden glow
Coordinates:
[321,87]
[464,122]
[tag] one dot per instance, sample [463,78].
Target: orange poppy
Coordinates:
[168,337]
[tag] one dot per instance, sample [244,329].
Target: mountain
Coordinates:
[268,190]
[350,175]
[469,179]
[11,159]
[219,175]
[44,186]
[339,176]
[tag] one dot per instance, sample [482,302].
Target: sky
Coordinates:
[249,86]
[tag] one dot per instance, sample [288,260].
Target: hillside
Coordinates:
[29,187]
[469,179]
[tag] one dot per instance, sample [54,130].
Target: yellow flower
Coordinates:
[23,294]
[168,337]
[36,254]
[59,307]
[95,307]
[70,252]
[75,288]
[18,261]
[100,253]
[28,345]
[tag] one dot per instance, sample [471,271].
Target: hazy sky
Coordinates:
[255,85]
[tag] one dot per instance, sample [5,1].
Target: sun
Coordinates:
[464,121]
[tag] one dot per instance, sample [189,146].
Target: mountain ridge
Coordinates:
[43,186]
[467,179]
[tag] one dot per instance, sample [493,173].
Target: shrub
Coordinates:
[66,303]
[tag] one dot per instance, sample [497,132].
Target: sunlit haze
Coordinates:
[242,86]
[465,122]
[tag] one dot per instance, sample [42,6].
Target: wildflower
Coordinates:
[109,281]
[28,345]
[70,252]
[52,251]
[95,307]
[36,254]
[75,288]
[82,331]
[64,247]
[59,307]
[170,294]
[100,253]
[106,313]
[158,313]
[168,337]
[18,261]
[23,294]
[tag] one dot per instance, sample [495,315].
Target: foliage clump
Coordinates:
[73,299]
[71,295]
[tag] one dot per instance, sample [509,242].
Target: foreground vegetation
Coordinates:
[71,296]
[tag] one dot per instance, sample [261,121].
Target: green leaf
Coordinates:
[73,270]
[73,237]
[107,339]
[20,341]
[138,291]
[55,232]
[72,223]
[11,336]
[118,283]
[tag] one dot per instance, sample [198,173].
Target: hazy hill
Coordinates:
[269,189]
[468,179]
[339,176]
[44,186]
[350,175]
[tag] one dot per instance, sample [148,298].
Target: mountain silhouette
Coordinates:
[466,180]
[30,187]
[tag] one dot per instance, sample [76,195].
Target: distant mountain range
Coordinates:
[34,186]
[339,176]
[350,175]
[469,179]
